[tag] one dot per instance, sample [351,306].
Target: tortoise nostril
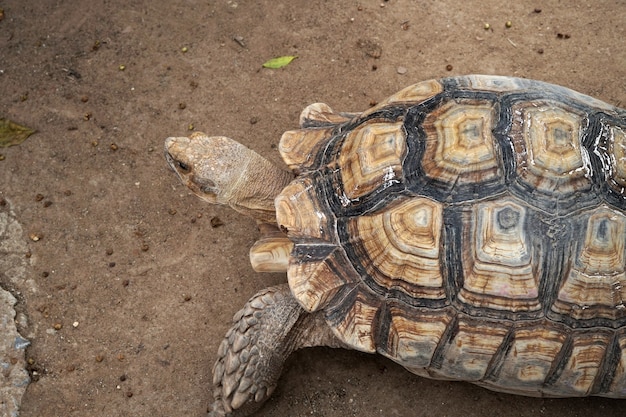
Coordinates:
[209,187]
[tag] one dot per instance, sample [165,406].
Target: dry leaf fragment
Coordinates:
[13,134]
[279,62]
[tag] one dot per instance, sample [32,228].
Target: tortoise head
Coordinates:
[220,170]
[200,163]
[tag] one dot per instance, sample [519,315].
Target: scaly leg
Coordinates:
[250,358]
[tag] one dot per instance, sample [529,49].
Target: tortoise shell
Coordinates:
[470,228]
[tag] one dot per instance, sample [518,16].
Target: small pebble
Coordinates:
[449,67]
[113,147]
[75,324]
[99,358]
[508,24]
[122,67]
[57,326]
[401,70]
[487,26]
[240,41]
[216,222]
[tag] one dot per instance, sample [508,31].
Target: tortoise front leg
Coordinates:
[250,358]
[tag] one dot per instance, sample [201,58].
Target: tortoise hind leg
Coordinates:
[250,358]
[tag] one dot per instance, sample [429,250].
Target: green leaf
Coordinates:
[12,133]
[279,62]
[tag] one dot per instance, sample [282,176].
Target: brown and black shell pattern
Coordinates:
[470,228]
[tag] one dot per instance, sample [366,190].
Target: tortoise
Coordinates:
[470,228]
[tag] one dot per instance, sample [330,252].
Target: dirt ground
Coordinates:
[129,288]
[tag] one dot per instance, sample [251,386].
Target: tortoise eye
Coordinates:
[183,166]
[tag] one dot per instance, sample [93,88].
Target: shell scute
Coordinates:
[301,213]
[617,385]
[617,160]
[493,83]
[414,335]
[581,369]
[371,158]
[411,95]
[299,148]
[460,145]
[547,138]
[529,360]
[499,264]
[399,247]
[317,272]
[352,314]
[469,352]
[595,285]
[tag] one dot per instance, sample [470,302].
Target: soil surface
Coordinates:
[130,280]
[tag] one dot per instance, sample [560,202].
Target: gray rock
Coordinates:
[13,375]
[15,378]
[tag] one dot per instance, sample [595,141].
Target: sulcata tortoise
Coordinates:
[470,228]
